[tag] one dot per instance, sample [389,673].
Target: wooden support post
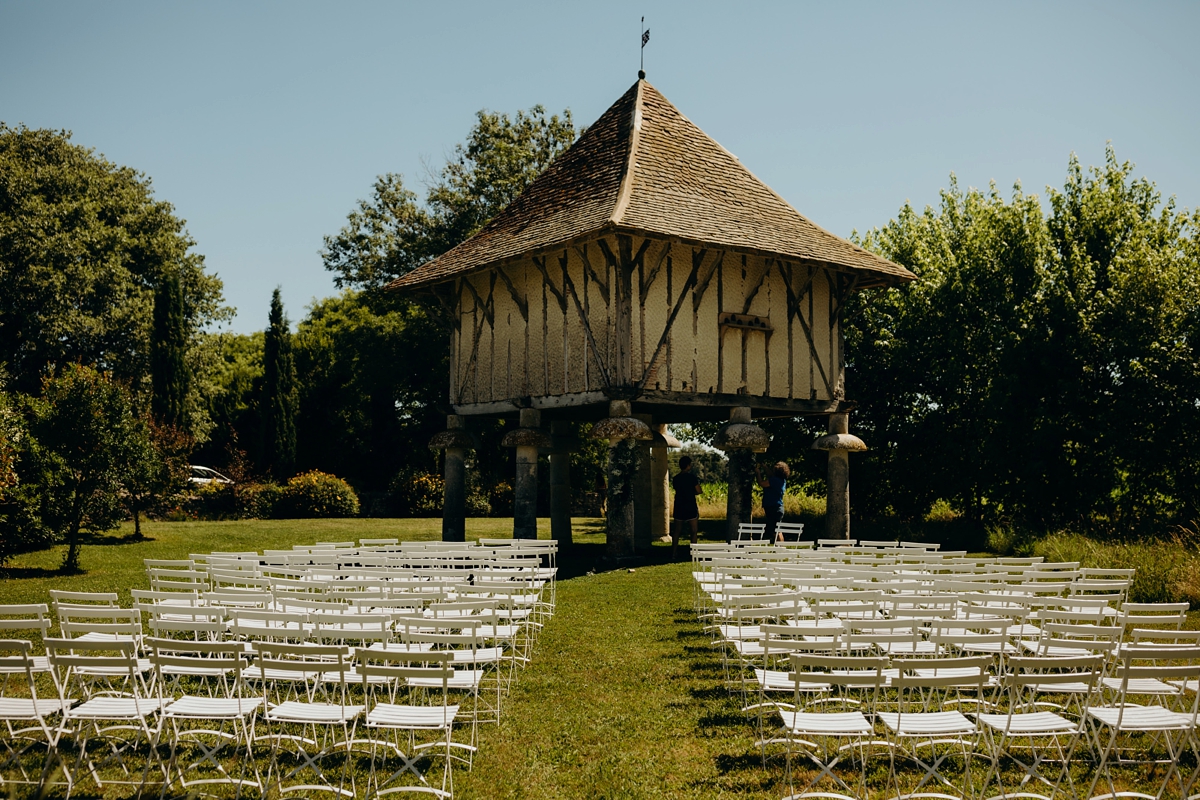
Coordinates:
[526,486]
[527,440]
[456,441]
[623,433]
[660,486]
[560,484]
[740,439]
[838,443]
[643,526]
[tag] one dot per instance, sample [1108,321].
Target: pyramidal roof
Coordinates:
[644,167]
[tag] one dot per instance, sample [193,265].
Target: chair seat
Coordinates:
[191,707]
[143,666]
[840,723]
[257,673]
[919,648]
[1141,686]
[115,708]
[467,679]
[319,713]
[426,718]
[484,655]
[1061,688]
[197,671]
[14,708]
[749,648]
[1142,718]
[778,681]
[1046,722]
[927,723]
[40,664]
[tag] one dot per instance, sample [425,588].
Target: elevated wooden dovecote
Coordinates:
[647,265]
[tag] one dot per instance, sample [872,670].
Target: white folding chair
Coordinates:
[826,738]
[302,732]
[1031,735]
[923,685]
[120,718]
[1141,672]
[220,718]
[29,617]
[409,716]
[27,717]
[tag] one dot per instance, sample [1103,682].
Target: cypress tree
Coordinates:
[279,403]
[169,375]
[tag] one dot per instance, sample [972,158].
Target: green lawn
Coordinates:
[624,698]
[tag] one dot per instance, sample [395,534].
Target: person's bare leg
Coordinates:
[695,529]
[676,529]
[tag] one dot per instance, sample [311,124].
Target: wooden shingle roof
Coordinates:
[644,167]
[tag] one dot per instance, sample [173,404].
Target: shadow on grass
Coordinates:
[18,573]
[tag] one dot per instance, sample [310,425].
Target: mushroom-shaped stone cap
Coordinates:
[742,436]
[840,441]
[526,437]
[664,440]
[456,437]
[621,428]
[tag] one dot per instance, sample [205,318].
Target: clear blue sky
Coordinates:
[263,123]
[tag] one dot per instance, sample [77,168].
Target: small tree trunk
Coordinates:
[137,522]
[71,561]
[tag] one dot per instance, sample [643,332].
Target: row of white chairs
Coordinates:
[331,674]
[836,662]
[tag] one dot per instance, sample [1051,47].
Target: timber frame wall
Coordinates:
[622,315]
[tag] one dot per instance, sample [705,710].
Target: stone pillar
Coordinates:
[456,440]
[660,482]
[643,535]
[527,439]
[740,439]
[622,432]
[560,482]
[838,444]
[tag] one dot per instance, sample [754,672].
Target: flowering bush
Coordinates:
[417,494]
[314,495]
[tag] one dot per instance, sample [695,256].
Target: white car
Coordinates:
[202,476]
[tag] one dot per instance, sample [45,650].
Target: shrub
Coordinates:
[416,494]
[316,495]
[258,500]
[501,499]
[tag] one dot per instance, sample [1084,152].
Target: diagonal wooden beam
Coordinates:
[540,263]
[762,279]
[587,329]
[522,303]
[648,280]
[587,265]
[697,261]
[702,283]
[794,308]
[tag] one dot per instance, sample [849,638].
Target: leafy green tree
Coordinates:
[392,233]
[84,439]
[83,246]
[1043,370]
[232,386]
[358,406]
[360,412]
[169,374]
[158,469]
[280,396]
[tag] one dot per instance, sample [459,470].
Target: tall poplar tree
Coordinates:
[169,374]
[279,403]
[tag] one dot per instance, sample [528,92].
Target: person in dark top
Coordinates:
[687,486]
[773,487]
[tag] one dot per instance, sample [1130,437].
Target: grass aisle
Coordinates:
[623,698]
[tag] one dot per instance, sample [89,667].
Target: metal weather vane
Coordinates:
[645,41]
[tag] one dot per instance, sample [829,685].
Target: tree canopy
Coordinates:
[1044,368]
[83,246]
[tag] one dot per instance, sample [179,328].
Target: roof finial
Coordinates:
[645,39]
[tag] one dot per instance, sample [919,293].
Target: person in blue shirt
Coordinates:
[773,487]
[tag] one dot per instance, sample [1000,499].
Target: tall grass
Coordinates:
[800,503]
[1168,569]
